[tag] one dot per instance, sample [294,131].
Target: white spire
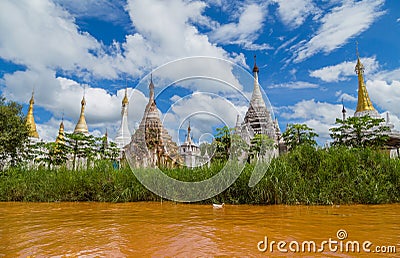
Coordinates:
[189,138]
[256,98]
[123,134]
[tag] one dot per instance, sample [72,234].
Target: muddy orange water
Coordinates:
[185,230]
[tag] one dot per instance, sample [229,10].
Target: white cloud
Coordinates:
[342,71]
[245,31]
[388,75]
[204,111]
[322,115]
[311,109]
[345,97]
[398,20]
[62,96]
[44,37]
[339,25]
[318,115]
[295,85]
[40,34]
[385,95]
[293,13]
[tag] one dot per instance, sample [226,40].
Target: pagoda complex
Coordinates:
[191,153]
[151,145]
[258,119]
[366,108]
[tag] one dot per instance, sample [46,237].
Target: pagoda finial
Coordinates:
[255,68]
[60,137]
[343,111]
[151,87]
[30,120]
[125,100]
[364,102]
[81,126]
[359,69]
[188,139]
[357,53]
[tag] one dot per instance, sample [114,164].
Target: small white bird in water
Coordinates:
[218,206]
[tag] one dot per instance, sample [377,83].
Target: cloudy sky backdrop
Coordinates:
[305,51]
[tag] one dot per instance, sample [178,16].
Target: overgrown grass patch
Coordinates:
[304,176]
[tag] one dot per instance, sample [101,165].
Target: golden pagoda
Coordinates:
[81,126]
[30,120]
[125,100]
[60,138]
[364,104]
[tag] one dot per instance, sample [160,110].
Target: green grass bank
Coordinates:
[303,176]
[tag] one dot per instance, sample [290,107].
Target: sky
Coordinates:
[201,54]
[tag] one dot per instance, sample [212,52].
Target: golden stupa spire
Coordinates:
[30,120]
[60,137]
[81,126]
[125,100]
[364,102]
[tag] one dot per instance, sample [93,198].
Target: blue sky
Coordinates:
[305,51]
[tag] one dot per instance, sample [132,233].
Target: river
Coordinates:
[190,230]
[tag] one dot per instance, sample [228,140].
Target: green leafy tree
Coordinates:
[78,146]
[108,150]
[359,132]
[299,134]
[13,132]
[48,153]
[222,143]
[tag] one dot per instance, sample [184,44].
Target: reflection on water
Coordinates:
[168,229]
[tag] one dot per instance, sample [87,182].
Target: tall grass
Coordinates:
[303,176]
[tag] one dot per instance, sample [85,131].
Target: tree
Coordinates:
[108,150]
[80,146]
[361,132]
[299,134]
[13,132]
[222,143]
[50,153]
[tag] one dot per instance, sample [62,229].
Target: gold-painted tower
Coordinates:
[364,104]
[30,120]
[60,138]
[81,126]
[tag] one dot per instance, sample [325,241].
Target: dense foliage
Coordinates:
[13,132]
[362,132]
[299,134]
[71,147]
[306,175]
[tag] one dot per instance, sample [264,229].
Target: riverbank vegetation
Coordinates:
[306,175]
